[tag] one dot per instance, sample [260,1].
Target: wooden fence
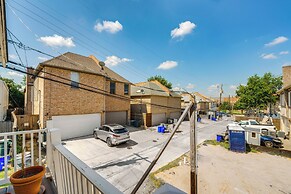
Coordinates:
[276,122]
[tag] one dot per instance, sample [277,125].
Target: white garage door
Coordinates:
[158,118]
[175,115]
[72,126]
[116,117]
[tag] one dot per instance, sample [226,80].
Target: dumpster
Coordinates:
[237,140]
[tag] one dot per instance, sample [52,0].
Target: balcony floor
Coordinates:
[47,183]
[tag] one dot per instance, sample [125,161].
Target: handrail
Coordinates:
[95,179]
[22,132]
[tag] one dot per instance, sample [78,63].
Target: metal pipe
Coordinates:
[146,173]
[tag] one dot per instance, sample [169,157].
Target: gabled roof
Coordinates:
[203,97]
[152,88]
[79,63]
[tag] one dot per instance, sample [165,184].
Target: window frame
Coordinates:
[112,90]
[126,92]
[255,135]
[289,98]
[75,83]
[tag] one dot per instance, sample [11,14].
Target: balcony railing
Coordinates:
[69,173]
[9,153]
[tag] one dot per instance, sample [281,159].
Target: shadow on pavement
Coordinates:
[134,160]
[128,144]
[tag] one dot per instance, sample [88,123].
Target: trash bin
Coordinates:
[237,142]
[161,129]
[219,138]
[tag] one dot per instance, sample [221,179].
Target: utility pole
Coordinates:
[193,150]
[3,36]
[220,93]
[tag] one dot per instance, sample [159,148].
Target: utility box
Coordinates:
[253,136]
[237,139]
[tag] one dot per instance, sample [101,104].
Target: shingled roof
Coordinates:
[79,63]
[152,88]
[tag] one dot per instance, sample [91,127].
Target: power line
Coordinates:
[86,89]
[86,47]
[21,45]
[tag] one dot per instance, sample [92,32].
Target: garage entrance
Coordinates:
[116,117]
[72,126]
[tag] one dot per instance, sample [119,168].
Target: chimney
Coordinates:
[29,92]
[286,75]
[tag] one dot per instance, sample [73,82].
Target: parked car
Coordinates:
[112,134]
[270,141]
[266,129]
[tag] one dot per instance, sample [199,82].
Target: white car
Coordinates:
[112,134]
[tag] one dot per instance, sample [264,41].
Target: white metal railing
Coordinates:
[70,174]
[9,142]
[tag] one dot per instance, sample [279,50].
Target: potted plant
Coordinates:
[27,180]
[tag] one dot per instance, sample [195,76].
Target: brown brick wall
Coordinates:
[60,99]
[286,75]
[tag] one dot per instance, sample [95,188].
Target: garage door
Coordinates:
[116,118]
[175,115]
[158,118]
[72,126]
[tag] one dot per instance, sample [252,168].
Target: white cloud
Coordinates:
[213,87]
[42,58]
[276,41]
[12,56]
[190,86]
[177,89]
[114,60]
[268,56]
[167,65]
[233,87]
[13,73]
[108,26]
[57,41]
[284,53]
[183,29]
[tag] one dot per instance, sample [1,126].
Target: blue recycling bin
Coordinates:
[161,129]
[2,162]
[219,138]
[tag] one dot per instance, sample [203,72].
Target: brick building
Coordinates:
[285,101]
[155,99]
[69,104]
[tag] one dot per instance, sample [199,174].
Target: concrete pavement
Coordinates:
[123,165]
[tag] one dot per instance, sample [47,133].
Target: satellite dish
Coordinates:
[101,63]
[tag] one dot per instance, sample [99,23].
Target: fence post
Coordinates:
[53,138]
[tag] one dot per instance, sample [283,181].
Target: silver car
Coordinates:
[112,134]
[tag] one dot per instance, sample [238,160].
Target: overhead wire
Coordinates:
[83,44]
[130,68]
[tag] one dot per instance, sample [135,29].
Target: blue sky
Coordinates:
[195,44]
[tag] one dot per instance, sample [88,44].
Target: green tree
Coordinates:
[16,96]
[259,92]
[225,106]
[162,80]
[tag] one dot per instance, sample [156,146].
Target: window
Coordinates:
[289,98]
[112,87]
[126,86]
[282,100]
[254,135]
[254,123]
[74,80]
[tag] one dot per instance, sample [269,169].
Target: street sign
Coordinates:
[3,34]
